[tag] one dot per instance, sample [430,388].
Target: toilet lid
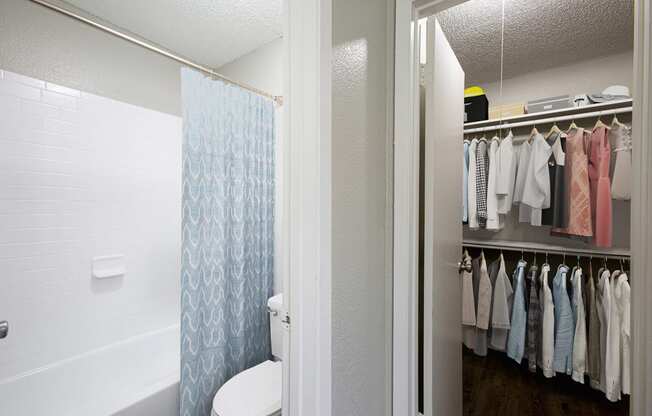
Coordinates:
[253,392]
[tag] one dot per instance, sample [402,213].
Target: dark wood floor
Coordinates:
[496,385]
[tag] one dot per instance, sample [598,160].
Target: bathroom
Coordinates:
[107,277]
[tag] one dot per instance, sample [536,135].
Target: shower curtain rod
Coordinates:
[276,98]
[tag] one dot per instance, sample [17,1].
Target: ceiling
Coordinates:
[210,32]
[539,34]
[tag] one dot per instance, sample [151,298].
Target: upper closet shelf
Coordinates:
[552,116]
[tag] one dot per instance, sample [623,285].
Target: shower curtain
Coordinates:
[227,235]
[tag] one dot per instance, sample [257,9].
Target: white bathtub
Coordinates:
[135,377]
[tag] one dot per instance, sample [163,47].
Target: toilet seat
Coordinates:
[253,392]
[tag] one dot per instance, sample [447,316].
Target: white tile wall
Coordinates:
[83,176]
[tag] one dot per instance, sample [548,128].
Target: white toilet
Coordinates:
[258,390]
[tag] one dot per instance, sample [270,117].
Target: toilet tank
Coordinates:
[276,326]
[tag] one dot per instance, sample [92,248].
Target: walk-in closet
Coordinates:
[538,162]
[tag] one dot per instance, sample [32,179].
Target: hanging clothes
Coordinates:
[472,206]
[468,298]
[603,298]
[484,296]
[536,189]
[599,161]
[564,326]
[579,318]
[519,186]
[506,174]
[548,327]
[503,299]
[577,183]
[620,137]
[533,310]
[516,337]
[624,314]
[465,183]
[481,173]
[612,360]
[494,219]
[594,355]
[557,215]
[480,338]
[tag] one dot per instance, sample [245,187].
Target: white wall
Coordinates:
[84,176]
[360,150]
[262,68]
[40,43]
[591,76]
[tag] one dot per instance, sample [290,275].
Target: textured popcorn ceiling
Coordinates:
[211,32]
[539,34]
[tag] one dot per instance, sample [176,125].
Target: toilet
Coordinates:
[257,391]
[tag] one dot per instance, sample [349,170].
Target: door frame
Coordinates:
[307,138]
[406,203]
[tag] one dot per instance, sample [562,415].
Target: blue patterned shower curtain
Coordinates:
[227,237]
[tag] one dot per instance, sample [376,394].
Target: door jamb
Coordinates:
[308,138]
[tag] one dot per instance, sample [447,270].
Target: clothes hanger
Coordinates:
[599,124]
[616,122]
[572,126]
[554,129]
[546,257]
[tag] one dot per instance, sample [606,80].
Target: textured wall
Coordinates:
[588,76]
[43,44]
[359,131]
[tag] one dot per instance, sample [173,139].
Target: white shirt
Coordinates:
[506,174]
[536,187]
[494,220]
[468,298]
[579,340]
[484,296]
[624,305]
[472,201]
[519,185]
[603,298]
[502,306]
[548,333]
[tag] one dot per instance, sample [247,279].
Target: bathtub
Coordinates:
[134,377]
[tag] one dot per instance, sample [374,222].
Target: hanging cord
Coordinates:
[502,67]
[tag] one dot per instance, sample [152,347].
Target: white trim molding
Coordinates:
[308,90]
[641,222]
[406,213]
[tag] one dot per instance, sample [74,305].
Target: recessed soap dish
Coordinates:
[108,267]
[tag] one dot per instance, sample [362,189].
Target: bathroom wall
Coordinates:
[262,68]
[361,242]
[588,76]
[84,176]
[40,43]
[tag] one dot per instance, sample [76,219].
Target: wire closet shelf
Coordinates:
[541,248]
[550,117]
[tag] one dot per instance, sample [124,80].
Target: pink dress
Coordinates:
[577,185]
[599,162]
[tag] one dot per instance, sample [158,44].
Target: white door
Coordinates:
[444,119]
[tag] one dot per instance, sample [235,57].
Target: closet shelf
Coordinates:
[546,248]
[594,110]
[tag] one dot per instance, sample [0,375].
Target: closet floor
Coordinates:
[496,385]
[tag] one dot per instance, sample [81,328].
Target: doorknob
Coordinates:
[4,329]
[463,267]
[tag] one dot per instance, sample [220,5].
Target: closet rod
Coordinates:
[546,248]
[535,122]
[149,46]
